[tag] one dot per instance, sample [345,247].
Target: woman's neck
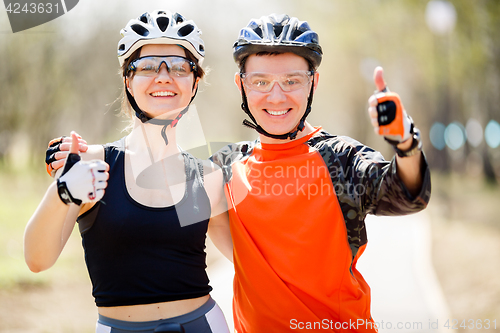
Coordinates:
[146,140]
[146,147]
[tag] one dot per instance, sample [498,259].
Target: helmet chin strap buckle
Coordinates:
[249,124]
[145,119]
[262,131]
[164,122]
[142,117]
[300,128]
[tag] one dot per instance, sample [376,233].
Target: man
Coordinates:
[298,196]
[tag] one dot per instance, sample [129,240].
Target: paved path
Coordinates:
[397,266]
[221,279]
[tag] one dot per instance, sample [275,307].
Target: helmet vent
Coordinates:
[162,23]
[258,31]
[178,18]
[277,30]
[160,27]
[296,34]
[144,18]
[185,30]
[140,30]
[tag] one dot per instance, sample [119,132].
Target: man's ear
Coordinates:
[316,80]
[237,81]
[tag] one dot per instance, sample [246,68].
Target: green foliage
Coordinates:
[20,195]
[17,203]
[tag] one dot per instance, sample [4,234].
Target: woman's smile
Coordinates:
[163,94]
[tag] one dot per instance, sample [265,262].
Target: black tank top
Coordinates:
[137,254]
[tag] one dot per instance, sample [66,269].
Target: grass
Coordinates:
[17,203]
[19,196]
[57,300]
[466,245]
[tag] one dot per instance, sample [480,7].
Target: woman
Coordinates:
[143,205]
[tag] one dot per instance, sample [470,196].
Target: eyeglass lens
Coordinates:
[264,82]
[150,66]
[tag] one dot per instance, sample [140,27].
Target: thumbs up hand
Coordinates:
[82,182]
[387,113]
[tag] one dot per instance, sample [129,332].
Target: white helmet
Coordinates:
[160,27]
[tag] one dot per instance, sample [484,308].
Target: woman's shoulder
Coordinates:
[98,152]
[94,152]
[213,181]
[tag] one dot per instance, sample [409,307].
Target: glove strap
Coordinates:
[65,195]
[416,145]
[62,188]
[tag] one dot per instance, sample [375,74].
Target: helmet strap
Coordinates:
[290,135]
[165,122]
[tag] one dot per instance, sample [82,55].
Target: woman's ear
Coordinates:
[195,86]
[127,85]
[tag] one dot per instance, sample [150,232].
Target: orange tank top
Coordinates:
[294,269]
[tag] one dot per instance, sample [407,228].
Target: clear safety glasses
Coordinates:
[150,66]
[264,82]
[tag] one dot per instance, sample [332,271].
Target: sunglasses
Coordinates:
[264,82]
[150,66]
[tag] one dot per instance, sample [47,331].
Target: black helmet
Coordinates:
[278,33]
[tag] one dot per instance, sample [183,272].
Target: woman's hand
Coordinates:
[81,182]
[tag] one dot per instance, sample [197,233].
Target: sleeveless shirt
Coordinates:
[137,254]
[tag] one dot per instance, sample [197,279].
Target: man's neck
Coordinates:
[308,129]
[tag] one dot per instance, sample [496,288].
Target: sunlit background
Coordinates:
[442,57]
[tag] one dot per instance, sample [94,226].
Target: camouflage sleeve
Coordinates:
[376,184]
[231,153]
[393,198]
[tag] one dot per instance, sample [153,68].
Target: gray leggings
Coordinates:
[208,318]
